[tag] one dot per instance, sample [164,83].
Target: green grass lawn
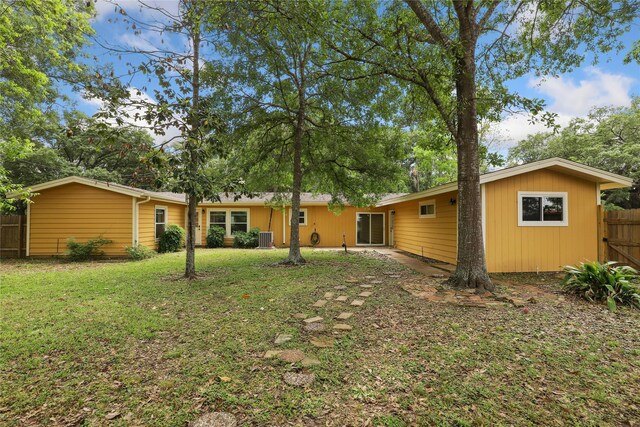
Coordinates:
[80,341]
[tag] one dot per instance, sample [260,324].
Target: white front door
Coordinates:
[198,230]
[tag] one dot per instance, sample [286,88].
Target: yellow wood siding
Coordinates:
[513,248]
[82,212]
[330,226]
[432,237]
[147,220]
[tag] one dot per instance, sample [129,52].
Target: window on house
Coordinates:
[542,209]
[302,216]
[218,219]
[427,209]
[161,220]
[239,221]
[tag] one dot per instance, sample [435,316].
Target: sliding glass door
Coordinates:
[370,228]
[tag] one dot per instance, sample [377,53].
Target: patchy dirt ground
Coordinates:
[131,344]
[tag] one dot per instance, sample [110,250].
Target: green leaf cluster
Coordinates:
[604,282]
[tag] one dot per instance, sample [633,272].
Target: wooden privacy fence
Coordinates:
[621,237]
[13,236]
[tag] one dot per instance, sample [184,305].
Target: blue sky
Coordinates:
[571,95]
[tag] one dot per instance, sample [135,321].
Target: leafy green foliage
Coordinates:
[39,41]
[608,139]
[604,282]
[247,240]
[172,240]
[85,251]
[140,252]
[215,237]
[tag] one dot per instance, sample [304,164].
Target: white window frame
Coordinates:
[306,217]
[426,203]
[542,222]
[155,221]
[384,234]
[227,231]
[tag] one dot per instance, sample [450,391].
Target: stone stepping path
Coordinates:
[314,327]
[322,342]
[296,379]
[216,419]
[291,356]
[344,315]
[314,324]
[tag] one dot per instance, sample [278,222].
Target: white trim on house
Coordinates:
[136,218]
[427,203]
[607,180]
[227,223]
[542,222]
[306,216]
[155,219]
[28,245]
[133,221]
[384,237]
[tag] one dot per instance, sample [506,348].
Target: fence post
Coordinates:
[602,235]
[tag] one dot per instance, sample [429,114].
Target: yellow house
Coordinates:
[536,217]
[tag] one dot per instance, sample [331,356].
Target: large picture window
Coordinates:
[542,209]
[161,220]
[230,220]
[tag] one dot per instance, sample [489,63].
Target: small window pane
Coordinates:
[160,214]
[238,217]
[217,217]
[238,227]
[301,217]
[531,209]
[553,208]
[423,209]
[159,230]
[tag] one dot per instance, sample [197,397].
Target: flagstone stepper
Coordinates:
[340,287]
[342,298]
[344,315]
[365,294]
[357,302]
[328,295]
[322,342]
[366,286]
[313,319]
[320,303]
[342,327]
[282,338]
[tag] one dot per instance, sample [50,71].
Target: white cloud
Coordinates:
[138,99]
[578,98]
[569,99]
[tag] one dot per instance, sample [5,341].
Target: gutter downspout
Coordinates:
[135,218]
[284,226]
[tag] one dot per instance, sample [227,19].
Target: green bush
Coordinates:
[140,252]
[246,239]
[604,282]
[172,240]
[85,251]
[215,237]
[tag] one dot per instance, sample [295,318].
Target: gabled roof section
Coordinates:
[607,180]
[110,186]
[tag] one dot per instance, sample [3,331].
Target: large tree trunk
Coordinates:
[295,257]
[190,265]
[471,269]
